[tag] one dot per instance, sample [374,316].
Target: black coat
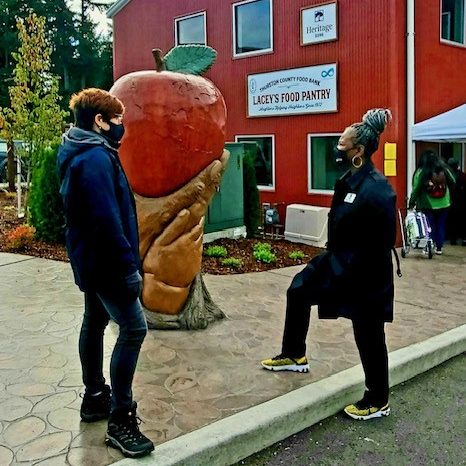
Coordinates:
[355,275]
[102,232]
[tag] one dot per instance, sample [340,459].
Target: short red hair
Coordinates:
[88,103]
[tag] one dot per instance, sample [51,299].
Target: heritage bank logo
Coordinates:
[319,24]
[319,16]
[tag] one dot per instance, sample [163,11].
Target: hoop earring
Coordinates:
[359,165]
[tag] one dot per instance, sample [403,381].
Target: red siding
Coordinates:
[370,53]
[440,67]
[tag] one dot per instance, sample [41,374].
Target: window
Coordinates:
[265,159]
[252,27]
[191,29]
[323,170]
[453,25]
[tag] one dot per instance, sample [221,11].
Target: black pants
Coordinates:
[132,324]
[369,333]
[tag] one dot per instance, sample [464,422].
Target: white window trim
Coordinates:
[192,15]
[328,192]
[452,42]
[260,187]
[258,52]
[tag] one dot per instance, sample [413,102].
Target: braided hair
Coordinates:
[368,131]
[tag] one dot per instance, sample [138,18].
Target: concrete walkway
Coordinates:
[187,380]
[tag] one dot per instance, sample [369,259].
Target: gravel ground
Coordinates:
[427,427]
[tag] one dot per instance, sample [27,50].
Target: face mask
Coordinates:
[341,159]
[115,132]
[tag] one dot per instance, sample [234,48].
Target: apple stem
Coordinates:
[158,57]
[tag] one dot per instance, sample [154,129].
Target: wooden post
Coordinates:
[11,168]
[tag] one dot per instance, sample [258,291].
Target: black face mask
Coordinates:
[341,159]
[114,134]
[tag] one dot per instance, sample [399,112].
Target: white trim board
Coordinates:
[116,8]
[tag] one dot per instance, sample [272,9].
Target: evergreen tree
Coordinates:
[79,56]
[46,208]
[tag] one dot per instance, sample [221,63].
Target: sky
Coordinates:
[99,17]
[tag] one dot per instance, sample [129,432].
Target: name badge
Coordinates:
[350,197]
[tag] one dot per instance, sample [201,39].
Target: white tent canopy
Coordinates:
[446,127]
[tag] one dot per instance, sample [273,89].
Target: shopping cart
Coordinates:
[415,233]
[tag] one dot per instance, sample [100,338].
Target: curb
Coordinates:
[229,440]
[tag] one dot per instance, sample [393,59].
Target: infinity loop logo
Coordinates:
[328,73]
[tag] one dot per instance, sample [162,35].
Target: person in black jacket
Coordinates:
[354,277]
[456,224]
[103,247]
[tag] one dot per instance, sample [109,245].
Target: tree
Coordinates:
[93,65]
[34,115]
[46,207]
[79,56]
[7,134]
[60,32]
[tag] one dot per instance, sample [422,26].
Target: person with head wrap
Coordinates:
[354,277]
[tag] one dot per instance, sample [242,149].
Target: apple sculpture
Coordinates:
[173,155]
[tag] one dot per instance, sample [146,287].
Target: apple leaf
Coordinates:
[190,59]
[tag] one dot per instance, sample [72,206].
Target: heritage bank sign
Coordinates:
[297,91]
[319,23]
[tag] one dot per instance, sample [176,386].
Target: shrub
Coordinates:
[232,262]
[252,216]
[263,253]
[296,255]
[216,251]
[265,256]
[45,205]
[262,247]
[19,238]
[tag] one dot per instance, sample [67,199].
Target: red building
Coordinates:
[295,73]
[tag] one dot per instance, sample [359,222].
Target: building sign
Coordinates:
[319,23]
[312,89]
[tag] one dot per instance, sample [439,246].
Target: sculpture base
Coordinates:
[197,313]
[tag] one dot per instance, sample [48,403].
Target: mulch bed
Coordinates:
[240,249]
[9,221]
[243,249]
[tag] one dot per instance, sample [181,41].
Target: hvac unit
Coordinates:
[306,224]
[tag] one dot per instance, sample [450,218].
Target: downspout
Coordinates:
[411,94]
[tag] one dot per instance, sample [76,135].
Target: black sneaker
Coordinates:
[123,433]
[96,407]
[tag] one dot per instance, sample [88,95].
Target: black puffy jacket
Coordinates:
[356,272]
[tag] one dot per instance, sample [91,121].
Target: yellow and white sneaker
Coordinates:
[283,363]
[363,411]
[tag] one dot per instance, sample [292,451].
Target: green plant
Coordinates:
[232,262]
[216,251]
[19,238]
[262,247]
[296,255]
[45,206]
[263,253]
